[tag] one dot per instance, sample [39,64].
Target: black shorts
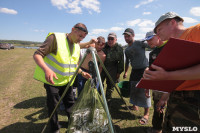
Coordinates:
[136,74]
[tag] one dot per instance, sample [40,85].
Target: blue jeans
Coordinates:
[81,83]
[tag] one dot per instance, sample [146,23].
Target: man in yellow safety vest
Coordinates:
[57,61]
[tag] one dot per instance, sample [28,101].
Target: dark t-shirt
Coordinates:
[135,54]
[153,54]
[48,46]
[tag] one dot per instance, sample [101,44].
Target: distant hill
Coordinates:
[20,42]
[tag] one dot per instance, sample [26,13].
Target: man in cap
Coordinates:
[99,45]
[114,63]
[135,54]
[155,42]
[183,106]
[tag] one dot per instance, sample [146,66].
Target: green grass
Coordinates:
[23,102]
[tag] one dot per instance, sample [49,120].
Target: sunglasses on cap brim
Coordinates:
[81,28]
[110,38]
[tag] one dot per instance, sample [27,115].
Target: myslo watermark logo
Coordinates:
[185,129]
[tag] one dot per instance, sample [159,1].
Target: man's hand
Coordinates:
[161,105]
[86,75]
[162,102]
[125,75]
[158,74]
[147,94]
[92,42]
[117,78]
[49,75]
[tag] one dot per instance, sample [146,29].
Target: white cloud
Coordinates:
[142,26]
[121,41]
[91,4]
[146,23]
[8,11]
[36,30]
[75,6]
[90,12]
[195,11]
[139,36]
[189,20]
[60,3]
[92,36]
[146,13]
[133,22]
[143,3]
[122,24]
[116,28]
[98,31]
[75,9]
[145,29]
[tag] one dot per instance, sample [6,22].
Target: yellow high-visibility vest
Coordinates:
[64,63]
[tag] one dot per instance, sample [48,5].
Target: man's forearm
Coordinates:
[191,73]
[40,62]
[121,65]
[91,43]
[84,45]
[126,68]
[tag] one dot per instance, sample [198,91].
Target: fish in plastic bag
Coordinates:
[88,113]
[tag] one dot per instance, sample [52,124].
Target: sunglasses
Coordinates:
[110,38]
[101,44]
[82,29]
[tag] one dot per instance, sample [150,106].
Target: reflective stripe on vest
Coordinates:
[59,72]
[60,64]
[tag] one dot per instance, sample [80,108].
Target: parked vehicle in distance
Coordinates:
[6,46]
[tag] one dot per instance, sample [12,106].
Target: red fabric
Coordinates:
[161,85]
[177,54]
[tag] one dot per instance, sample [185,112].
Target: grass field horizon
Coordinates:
[23,99]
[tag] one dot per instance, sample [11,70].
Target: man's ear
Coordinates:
[73,29]
[173,22]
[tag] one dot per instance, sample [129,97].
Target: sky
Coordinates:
[32,20]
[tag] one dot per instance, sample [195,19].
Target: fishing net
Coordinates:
[88,113]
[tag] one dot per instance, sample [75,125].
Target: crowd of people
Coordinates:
[57,60]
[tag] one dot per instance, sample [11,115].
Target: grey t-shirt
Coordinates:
[136,55]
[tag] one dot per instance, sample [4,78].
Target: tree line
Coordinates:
[20,42]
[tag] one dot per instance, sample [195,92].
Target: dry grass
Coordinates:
[23,106]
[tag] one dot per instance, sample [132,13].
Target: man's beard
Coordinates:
[130,41]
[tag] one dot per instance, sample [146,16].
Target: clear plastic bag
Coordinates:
[88,113]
